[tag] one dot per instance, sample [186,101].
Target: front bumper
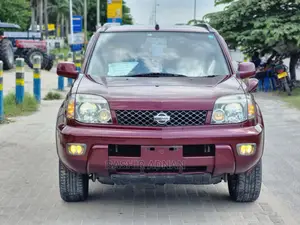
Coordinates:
[97,160]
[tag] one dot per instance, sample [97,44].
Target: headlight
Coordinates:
[89,109]
[233,109]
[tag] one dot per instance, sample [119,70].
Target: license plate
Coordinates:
[282,75]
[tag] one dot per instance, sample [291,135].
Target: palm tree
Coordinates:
[60,8]
[46,17]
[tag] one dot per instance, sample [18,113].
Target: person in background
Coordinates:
[256,60]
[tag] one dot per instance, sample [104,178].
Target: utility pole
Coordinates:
[41,17]
[155,11]
[98,12]
[46,17]
[85,22]
[195,10]
[33,6]
[71,20]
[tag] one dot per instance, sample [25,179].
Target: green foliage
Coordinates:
[220,2]
[194,22]
[19,12]
[127,18]
[15,11]
[53,96]
[259,24]
[57,51]
[294,100]
[92,14]
[11,109]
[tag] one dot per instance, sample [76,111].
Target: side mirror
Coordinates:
[246,70]
[67,69]
[252,84]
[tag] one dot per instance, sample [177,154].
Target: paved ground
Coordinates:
[29,182]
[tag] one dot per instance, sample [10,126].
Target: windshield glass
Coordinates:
[131,53]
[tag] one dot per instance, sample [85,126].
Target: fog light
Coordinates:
[76,149]
[246,149]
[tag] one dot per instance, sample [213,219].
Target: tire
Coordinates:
[287,87]
[246,187]
[50,62]
[7,54]
[31,53]
[74,187]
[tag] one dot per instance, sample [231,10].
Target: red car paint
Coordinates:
[159,95]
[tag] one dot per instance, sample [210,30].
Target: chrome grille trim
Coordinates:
[144,118]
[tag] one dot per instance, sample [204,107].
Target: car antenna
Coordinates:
[156,27]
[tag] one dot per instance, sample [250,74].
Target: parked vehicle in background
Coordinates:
[27,44]
[6,47]
[159,106]
[282,73]
[275,67]
[27,49]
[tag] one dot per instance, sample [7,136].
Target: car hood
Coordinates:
[160,93]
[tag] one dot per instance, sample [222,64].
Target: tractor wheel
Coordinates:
[7,54]
[34,52]
[50,62]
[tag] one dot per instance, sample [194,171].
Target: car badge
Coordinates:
[161,118]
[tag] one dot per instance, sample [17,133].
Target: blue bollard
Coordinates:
[1,93]
[37,78]
[20,80]
[61,83]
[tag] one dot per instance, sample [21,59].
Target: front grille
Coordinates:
[147,118]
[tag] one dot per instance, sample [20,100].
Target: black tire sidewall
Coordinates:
[32,51]
[5,45]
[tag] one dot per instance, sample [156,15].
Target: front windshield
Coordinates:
[131,53]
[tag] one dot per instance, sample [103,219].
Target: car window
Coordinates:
[129,53]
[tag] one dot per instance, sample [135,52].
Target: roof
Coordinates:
[179,28]
[9,25]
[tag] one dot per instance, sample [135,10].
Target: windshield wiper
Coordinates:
[156,75]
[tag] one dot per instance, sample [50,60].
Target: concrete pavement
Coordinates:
[29,182]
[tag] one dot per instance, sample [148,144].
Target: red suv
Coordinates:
[159,105]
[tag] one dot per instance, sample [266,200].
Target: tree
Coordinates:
[260,25]
[221,2]
[54,11]
[92,12]
[195,22]
[16,11]
[127,18]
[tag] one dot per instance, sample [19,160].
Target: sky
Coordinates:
[170,11]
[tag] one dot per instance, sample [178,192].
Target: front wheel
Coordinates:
[74,187]
[50,62]
[35,52]
[287,87]
[7,54]
[246,187]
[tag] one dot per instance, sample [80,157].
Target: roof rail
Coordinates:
[105,26]
[206,26]
[111,24]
